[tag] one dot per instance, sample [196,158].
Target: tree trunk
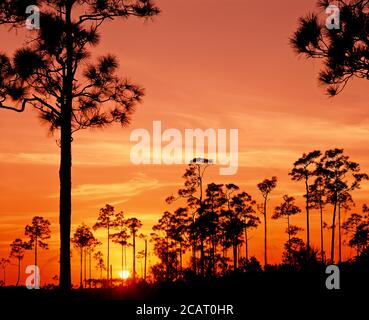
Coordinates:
[307,217]
[202,256]
[265,233]
[212,256]
[36,245]
[122,263]
[246,246]
[321,234]
[134,257]
[80,273]
[167,258]
[19,267]
[125,258]
[339,235]
[180,257]
[333,229]
[145,258]
[289,240]
[85,270]
[90,269]
[65,171]
[234,256]
[194,258]
[108,260]
[65,207]
[214,266]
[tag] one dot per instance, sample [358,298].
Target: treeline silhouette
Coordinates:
[219,217]
[208,236]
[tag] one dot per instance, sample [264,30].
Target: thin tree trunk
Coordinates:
[80,274]
[90,268]
[122,267]
[19,267]
[122,262]
[134,257]
[107,270]
[202,257]
[215,267]
[65,171]
[85,273]
[289,239]
[246,246]
[167,259]
[321,234]
[234,256]
[180,257]
[307,218]
[265,233]
[339,235]
[36,245]
[125,258]
[224,257]
[145,258]
[194,258]
[333,230]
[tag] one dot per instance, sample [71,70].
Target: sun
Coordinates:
[124,274]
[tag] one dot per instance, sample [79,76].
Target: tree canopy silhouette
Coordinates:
[341,176]
[285,210]
[38,232]
[343,51]
[317,200]
[82,238]
[105,220]
[216,217]
[13,12]
[357,226]
[303,169]
[133,225]
[121,237]
[17,250]
[3,264]
[266,187]
[98,256]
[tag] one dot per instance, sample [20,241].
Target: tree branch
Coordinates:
[25,101]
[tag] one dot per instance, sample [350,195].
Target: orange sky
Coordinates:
[204,64]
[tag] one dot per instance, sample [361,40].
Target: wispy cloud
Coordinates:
[30,158]
[122,191]
[92,154]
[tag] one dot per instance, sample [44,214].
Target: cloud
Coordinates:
[91,154]
[122,191]
[30,158]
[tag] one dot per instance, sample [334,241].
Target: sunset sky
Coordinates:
[204,64]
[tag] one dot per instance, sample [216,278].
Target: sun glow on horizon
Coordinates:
[124,274]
